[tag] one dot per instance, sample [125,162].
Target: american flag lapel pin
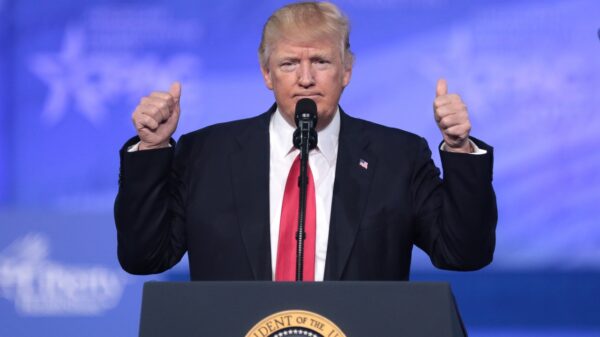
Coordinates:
[363,163]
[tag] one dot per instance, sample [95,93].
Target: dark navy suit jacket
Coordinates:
[209,196]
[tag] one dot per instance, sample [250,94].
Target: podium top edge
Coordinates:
[418,284]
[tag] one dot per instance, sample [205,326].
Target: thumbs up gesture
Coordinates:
[452,118]
[156,116]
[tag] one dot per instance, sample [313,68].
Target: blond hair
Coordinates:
[306,21]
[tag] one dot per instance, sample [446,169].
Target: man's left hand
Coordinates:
[452,118]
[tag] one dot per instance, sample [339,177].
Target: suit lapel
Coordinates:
[250,180]
[354,169]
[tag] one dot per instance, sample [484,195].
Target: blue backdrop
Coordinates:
[71,73]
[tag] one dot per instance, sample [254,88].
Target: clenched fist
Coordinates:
[155,118]
[452,118]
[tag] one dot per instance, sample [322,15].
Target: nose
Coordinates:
[305,75]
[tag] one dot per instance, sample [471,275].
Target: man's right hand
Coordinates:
[155,118]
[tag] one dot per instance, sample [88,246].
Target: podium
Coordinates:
[313,309]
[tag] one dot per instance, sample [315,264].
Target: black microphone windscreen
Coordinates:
[306,108]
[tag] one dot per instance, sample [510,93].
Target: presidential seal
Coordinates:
[295,323]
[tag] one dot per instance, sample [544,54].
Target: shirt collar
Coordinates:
[281,137]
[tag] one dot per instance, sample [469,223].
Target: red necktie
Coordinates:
[288,226]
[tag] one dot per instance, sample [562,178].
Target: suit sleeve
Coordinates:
[455,216]
[149,209]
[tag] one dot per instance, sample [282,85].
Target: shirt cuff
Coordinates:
[136,147]
[476,149]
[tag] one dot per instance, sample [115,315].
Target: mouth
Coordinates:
[311,95]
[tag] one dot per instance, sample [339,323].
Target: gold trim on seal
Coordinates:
[295,319]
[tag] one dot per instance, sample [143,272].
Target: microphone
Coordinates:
[305,136]
[305,139]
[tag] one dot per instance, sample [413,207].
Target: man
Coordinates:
[223,193]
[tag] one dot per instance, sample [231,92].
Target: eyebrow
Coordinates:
[288,58]
[320,56]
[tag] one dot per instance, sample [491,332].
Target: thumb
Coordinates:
[441,88]
[175,90]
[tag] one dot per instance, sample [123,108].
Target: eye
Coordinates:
[287,66]
[321,63]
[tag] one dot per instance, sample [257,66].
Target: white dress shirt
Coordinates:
[322,162]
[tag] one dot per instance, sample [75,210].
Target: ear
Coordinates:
[347,75]
[267,77]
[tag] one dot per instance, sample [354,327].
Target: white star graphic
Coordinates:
[71,80]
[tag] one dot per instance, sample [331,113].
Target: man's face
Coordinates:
[312,70]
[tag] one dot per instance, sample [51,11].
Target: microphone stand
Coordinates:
[305,138]
[303,184]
